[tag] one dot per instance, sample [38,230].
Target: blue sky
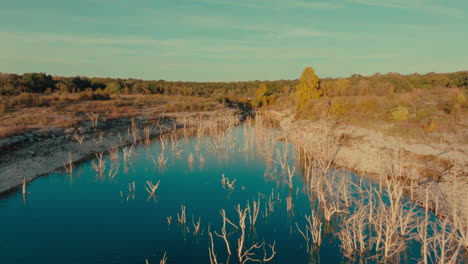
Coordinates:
[224,40]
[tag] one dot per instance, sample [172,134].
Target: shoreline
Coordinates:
[371,154]
[33,155]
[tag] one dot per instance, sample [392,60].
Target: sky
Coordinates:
[238,40]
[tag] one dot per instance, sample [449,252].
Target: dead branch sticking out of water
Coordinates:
[162,160]
[227,184]
[100,136]
[190,160]
[99,164]
[312,231]
[114,153]
[182,217]
[23,187]
[243,254]
[211,252]
[271,200]
[458,212]
[273,252]
[131,188]
[224,234]
[69,166]
[164,259]
[329,209]
[282,159]
[202,161]
[93,117]
[163,142]
[443,243]
[78,138]
[389,241]
[422,232]
[176,145]
[290,177]
[315,228]
[151,188]
[196,226]
[113,170]
[134,131]
[127,153]
[354,233]
[147,133]
[253,211]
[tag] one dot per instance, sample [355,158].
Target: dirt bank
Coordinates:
[440,167]
[42,151]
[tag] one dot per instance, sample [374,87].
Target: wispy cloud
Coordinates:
[89,39]
[43,58]
[317,4]
[413,5]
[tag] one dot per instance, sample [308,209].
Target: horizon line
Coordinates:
[257,80]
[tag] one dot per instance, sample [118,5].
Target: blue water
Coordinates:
[90,218]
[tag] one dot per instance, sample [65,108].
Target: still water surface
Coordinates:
[91,218]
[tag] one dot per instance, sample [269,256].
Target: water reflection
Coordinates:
[235,195]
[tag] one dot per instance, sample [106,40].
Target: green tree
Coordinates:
[79,84]
[113,87]
[308,88]
[38,82]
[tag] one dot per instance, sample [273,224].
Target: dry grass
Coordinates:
[432,113]
[71,110]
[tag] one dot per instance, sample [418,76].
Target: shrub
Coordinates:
[89,95]
[4,105]
[420,114]
[120,103]
[257,102]
[431,126]
[399,113]
[113,87]
[368,105]
[337,107]
[461,98]
[29,100]
[8,89]
[59,107]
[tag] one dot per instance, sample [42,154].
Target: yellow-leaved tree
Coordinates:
[308,88]
[260,95]
[261,91]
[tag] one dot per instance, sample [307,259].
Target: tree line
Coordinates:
[355,85]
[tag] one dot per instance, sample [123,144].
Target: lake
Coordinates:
[107,214]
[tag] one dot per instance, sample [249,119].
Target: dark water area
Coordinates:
[92,217]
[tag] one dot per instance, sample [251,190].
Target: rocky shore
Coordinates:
[40,152]
[440,168]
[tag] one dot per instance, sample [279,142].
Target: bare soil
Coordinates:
[41,151]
